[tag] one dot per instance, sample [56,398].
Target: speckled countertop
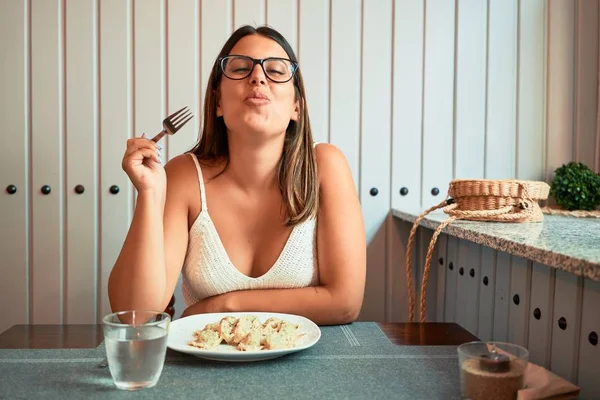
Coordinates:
[568,243]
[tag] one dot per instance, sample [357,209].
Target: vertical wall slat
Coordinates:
[487,282]
[313,55]
[540,314]
[14,112]
[407,102]
[471,43]
[501,296]
[442,261]
[589,351]
[283,16]
[82,161]
[520,292]
[560,86]
[531,94]
[344,118]
[115,128]
[586,83]
[375,135]
[565,342]
[250,12]
[438,97]
[501,89]
[149,73]
[451,279]
[472,274]
[183,72]
[183,84]
[215,28]
[46,161]
[462,297]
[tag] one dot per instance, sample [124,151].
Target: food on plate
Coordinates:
[247,333]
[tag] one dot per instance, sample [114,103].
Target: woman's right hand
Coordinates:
[142,164]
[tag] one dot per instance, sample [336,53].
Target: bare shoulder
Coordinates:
[332,165]
[180,169]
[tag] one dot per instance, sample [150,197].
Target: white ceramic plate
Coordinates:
[181,332]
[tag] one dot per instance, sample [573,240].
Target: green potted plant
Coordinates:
[576,187]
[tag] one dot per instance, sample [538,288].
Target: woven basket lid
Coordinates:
[536,190]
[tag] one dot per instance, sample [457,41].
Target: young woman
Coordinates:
[257,217]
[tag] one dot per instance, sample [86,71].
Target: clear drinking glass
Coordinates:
[136,345]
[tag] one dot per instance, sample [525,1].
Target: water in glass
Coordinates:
[136,354]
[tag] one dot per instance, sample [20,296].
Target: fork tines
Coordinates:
[179,118]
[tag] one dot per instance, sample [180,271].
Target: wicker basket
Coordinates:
[477,200]
[496,200]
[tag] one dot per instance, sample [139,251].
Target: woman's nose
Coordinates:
[257,77]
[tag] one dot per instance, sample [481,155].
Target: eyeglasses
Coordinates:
[277,69]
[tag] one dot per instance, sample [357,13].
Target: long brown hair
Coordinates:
[297,169]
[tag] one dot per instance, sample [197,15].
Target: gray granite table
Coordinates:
[567,243]
[354,361]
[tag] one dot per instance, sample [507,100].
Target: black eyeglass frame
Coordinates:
[255,61]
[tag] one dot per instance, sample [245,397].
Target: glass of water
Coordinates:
[136,345]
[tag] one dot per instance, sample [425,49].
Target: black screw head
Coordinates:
[435,191]
[472,273]
[461,271]
[441,260]
[11,189]
[451,266]
[404,191]
[114,189]
[46,189]
[516,299]
[562,323]
[486,280]
[373,191]
[593,338]
[79,189]
[537,314]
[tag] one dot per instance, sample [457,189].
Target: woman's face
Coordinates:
[256,105]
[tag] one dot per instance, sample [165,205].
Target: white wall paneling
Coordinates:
[487,289]
[375,128]
[407,102]
[438,100]
[589,350]
[587,72]
[81,137]
[501,100]
[116,126]
[47,149]
[540,314]
[344,90]
[313,56]
[502,296]
[520,293]
[15,168]
[568,291]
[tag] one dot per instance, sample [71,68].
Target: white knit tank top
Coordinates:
[208,271]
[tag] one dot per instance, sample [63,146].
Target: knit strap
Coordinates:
[201,182]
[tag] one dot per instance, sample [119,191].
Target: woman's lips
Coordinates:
[257,99]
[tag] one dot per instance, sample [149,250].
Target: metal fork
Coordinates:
[173,123]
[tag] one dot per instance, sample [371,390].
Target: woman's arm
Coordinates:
[341,246]
[146,271]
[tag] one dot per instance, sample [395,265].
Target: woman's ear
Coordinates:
[296,112]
